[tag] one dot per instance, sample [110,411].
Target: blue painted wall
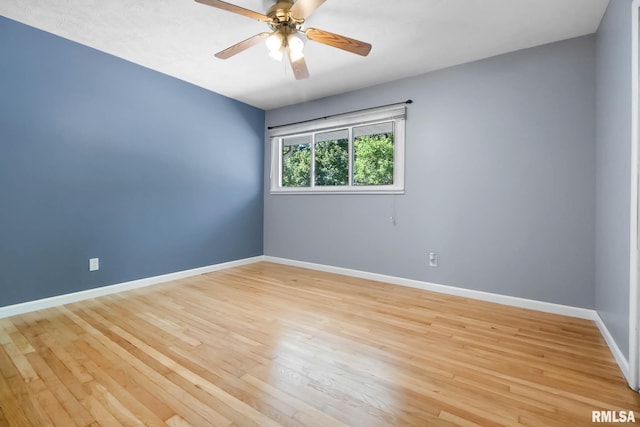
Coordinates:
[102,158]
[500,181]
[613,165]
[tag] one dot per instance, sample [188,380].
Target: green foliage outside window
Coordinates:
[296,166]
[373,160]
[332,163]
[372,164]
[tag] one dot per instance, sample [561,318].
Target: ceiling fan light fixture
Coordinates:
[275,44]
[295,46]
[277,54]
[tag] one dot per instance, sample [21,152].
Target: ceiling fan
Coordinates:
[286,19]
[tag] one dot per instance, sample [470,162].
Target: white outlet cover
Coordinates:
[94,264]
[433,259]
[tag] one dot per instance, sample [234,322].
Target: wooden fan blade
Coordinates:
[299,67]
[242,46]
[303,8]
[236,9]
[336,40]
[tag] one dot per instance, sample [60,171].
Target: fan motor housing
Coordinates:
[280,13]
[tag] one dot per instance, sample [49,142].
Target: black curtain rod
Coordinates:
[408,101]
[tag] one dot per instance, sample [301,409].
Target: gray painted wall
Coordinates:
[500,181]
[613,169]
[103,158]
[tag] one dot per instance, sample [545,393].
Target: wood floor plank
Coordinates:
[100,413]
[13,408]
[177,421]
[60,382]
[20,361]
[272,345]
[306,412]
[190,408]
[138,399]
[54,410]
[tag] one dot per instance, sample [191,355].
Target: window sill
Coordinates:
[337,191]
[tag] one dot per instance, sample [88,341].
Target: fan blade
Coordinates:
[236,9]
[303,8]
[242,46]
[336,40]
[299,67]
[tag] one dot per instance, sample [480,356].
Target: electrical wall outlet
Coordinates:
[94,264]
[433,259]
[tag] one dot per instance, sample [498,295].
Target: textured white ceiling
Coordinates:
[409,37]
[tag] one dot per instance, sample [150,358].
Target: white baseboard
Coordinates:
[26,307]
[54,301]
[548,307]
[622,361]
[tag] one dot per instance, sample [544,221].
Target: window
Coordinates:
[360,152]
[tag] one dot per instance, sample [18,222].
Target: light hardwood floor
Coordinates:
[267,345]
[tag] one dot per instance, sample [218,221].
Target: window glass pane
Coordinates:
[332,158]
[373,147]
[296,161]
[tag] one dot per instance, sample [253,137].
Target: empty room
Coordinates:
[319,213]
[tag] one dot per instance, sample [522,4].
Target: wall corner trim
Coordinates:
[634,252]
[41,304]
[622,361]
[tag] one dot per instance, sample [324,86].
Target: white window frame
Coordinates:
[395,114]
